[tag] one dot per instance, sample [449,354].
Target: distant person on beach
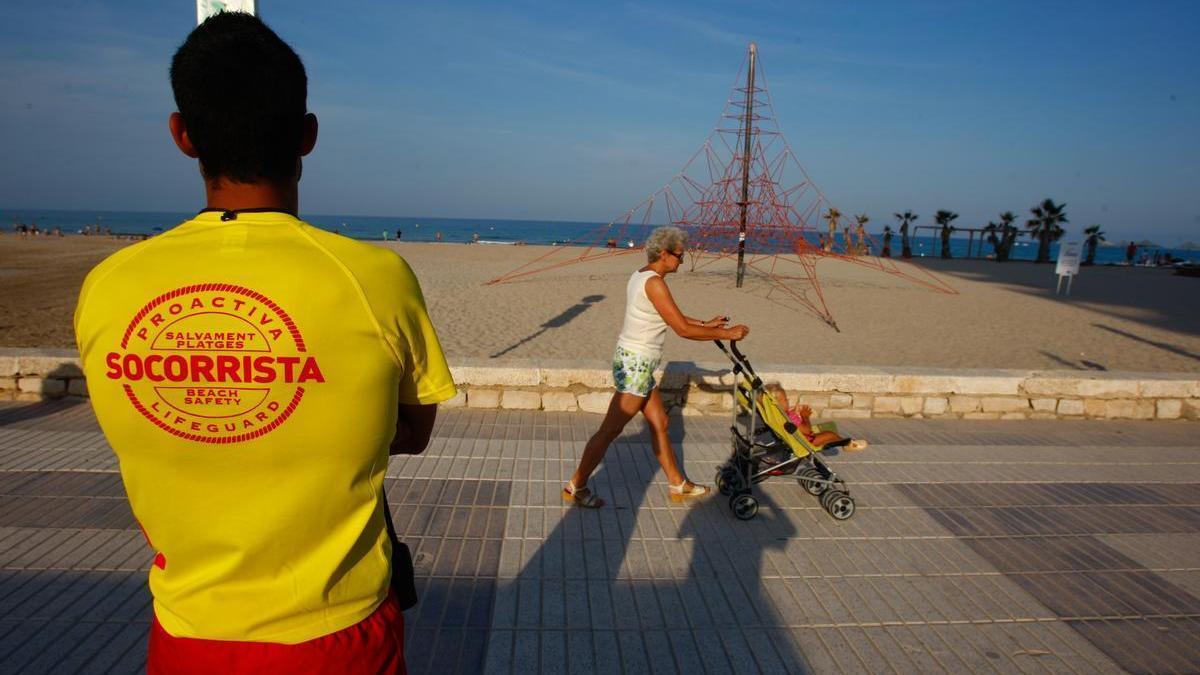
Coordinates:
[399,233]
[253,373]
[437,237]
[649,310]
[1130,251]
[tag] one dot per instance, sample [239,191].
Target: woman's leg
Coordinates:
[621,409]
[656,416]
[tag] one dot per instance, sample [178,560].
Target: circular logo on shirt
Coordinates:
[214,363]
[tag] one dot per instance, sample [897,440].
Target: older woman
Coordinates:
[649,310]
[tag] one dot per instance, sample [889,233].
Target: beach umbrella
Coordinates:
[1188,246]
[1146,243]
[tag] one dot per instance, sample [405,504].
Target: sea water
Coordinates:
[503,231]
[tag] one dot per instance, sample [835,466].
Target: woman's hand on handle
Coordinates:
[737,332]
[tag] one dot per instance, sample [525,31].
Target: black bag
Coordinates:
[404,583]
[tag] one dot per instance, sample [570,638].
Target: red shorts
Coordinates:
[373,645]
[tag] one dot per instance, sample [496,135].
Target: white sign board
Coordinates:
[1068,264]
[1068,259]
[206,8]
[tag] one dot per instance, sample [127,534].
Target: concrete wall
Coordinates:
[834,392]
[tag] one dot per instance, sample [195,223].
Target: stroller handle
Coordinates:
[737,354]
[733,346]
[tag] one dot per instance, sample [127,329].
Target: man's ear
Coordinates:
[179,134]
[308,140]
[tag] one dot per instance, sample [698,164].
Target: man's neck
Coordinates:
[230,196]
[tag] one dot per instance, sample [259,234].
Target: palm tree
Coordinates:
[1046,225]
[832,216]
[995,235]
[905,218]
[1002,236]
[944,218]
[1094,236]
[860,233]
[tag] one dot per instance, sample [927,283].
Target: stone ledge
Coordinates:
[705,388]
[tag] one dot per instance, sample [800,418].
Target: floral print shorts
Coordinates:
[633,373]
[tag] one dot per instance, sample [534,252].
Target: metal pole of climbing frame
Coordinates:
[746,150]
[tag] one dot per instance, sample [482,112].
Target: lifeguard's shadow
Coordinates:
[643,585]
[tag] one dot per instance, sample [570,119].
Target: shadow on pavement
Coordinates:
[25,412]
[641,585]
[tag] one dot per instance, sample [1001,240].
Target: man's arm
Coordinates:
[414,424]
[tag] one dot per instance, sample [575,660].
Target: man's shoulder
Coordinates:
[118,258]
[366,261]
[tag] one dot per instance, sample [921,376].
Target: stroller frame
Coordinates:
[746,466]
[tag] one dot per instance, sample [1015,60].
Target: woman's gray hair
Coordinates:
[665,238]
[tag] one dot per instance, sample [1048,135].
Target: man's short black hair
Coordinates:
[241,91]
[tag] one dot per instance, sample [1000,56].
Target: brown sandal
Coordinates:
[581,497]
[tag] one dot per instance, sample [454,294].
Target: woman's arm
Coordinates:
[715,321]
[660,297]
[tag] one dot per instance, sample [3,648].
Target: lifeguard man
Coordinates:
[252,374]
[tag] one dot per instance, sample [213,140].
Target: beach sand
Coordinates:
[1003,316]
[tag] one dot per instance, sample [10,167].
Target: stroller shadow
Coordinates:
[643,585]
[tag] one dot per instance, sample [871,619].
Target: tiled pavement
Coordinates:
[981,547]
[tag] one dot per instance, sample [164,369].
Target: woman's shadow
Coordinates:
[642,584]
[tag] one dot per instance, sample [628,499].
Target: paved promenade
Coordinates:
[977,547]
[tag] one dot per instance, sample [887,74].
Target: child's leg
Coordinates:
[824,437]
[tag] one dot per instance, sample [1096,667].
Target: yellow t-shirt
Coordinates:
[247,375]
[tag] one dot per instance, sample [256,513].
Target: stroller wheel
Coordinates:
[815,489]
[839,504]
[744,506]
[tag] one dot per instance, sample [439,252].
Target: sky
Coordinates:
[579,110]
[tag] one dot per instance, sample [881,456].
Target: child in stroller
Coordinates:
[822,436]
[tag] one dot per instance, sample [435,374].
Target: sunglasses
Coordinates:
[678,256]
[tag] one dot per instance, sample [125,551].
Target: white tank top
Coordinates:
[644,331]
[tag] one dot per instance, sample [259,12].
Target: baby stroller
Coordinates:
[766,443]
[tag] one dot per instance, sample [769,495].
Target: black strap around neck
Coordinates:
[232,214]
